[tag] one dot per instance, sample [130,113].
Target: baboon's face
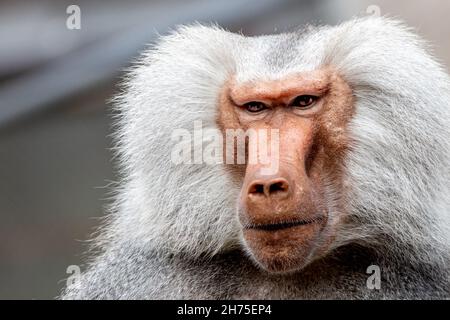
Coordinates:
[291,203]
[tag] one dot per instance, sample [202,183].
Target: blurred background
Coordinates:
[55,121]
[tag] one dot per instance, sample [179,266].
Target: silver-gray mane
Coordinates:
[398,166]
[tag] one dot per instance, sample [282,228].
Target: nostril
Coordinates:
[269,188]
[256,188]
[278,187]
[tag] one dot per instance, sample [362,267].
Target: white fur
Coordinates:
[398,168]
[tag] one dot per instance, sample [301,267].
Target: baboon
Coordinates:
[363,173]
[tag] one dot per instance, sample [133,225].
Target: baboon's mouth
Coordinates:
[282,224]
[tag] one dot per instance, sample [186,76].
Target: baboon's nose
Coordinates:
[272,187]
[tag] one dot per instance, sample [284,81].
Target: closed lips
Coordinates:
[283,224]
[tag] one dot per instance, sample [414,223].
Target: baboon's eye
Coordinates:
[304,101]
[254,106]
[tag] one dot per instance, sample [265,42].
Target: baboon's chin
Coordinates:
[283,250]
